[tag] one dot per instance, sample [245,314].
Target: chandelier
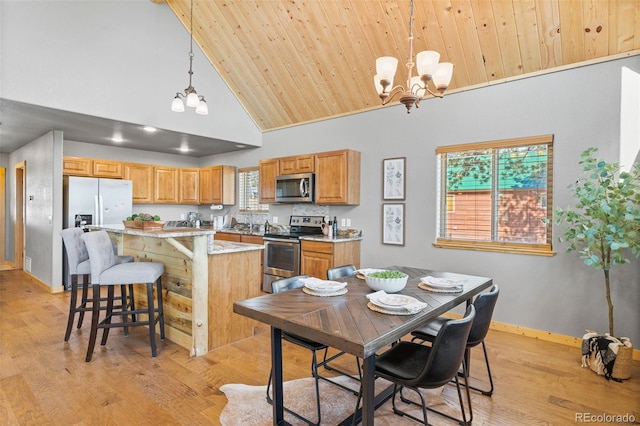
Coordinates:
[428,67]
[193,99]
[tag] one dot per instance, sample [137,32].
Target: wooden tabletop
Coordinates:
[345,322]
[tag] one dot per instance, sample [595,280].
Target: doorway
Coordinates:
[18,241]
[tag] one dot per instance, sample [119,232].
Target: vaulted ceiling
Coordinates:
[297,61]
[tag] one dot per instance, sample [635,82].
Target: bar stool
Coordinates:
[105,271]
[79,266]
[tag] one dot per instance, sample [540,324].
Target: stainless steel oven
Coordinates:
[281,260]
[282,250]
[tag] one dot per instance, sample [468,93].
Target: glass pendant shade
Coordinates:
[202,108]
[427,61]
[386,67]
[192,99]
[379,88]
[177,105]
[442,75]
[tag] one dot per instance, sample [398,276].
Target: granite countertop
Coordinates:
[157,233]
[220,247]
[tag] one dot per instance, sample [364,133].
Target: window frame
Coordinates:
[539,249]
[262,208]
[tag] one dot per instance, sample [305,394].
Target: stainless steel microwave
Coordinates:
[296,188]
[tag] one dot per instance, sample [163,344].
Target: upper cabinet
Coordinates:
[269,169]
[218,185]
[165,185]
[189,187]
[338,177]
[142,177]
[296,164]
[108,169]
[75,166]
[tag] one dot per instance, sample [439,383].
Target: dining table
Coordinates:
[349,323]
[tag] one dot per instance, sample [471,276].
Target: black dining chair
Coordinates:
[484,304]
[414,366]
[285,284]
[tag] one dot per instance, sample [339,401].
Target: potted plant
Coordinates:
[604,224]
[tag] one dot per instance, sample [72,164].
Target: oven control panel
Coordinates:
[306,221]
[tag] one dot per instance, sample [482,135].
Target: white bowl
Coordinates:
[389,285]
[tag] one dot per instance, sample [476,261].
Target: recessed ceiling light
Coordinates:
[239,146]
[117,139]
[149,129]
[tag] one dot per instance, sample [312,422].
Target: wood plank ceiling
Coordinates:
[298,61]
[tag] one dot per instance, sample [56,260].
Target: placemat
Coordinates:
[324,294]
[439,290]
[377,308]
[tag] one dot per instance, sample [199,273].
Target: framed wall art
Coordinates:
[393,224]
[393,172]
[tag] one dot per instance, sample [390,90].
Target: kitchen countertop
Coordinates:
[213,246]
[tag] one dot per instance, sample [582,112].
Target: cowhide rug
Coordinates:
[247,405]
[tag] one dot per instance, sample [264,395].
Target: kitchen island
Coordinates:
[202,279]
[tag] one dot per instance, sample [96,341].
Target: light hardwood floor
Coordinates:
[45,381]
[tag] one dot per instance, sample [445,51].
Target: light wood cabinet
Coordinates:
[165,184]
[107,169]
[218,185]
[296,164]
[227,236]
[76,166]
[188,182]
[337,177]
[318,256]
[269,169]
[142,177]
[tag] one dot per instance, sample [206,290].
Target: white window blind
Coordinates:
[249,187]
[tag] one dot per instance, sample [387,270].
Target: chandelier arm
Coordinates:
[388,96]
[436,94]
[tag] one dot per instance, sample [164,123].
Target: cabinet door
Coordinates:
[108,169]
[315,264]
[189,186]
[268,173]
[166,185]
[337,177]
[76,166]
[218,185]
[142,177]
[296,164]
[226,236]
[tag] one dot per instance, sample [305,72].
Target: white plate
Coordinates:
[397,299]
[444,283]
[322,286]
[394,301]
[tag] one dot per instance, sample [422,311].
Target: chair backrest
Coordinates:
[484,305]
[340,271]
[446,352]
[285,284]
[100,252]
[74,248]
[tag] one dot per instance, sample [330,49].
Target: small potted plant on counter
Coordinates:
[143,221]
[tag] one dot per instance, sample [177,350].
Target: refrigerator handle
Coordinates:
[101,209]
[96,211]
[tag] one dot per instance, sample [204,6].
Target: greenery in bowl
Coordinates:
[387,274]
[143,217]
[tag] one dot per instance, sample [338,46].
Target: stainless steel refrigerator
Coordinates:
[94,201]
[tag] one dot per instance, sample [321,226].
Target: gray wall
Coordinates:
[43,206]
[581,107]
[123,60]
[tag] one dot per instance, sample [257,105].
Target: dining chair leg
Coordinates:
[85,298]
[72,306]
[131,303]
[151,317]
[160,307]
[108,317]
[94,321]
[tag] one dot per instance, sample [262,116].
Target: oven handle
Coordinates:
[281,240]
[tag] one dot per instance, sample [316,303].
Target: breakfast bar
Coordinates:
[202,279]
